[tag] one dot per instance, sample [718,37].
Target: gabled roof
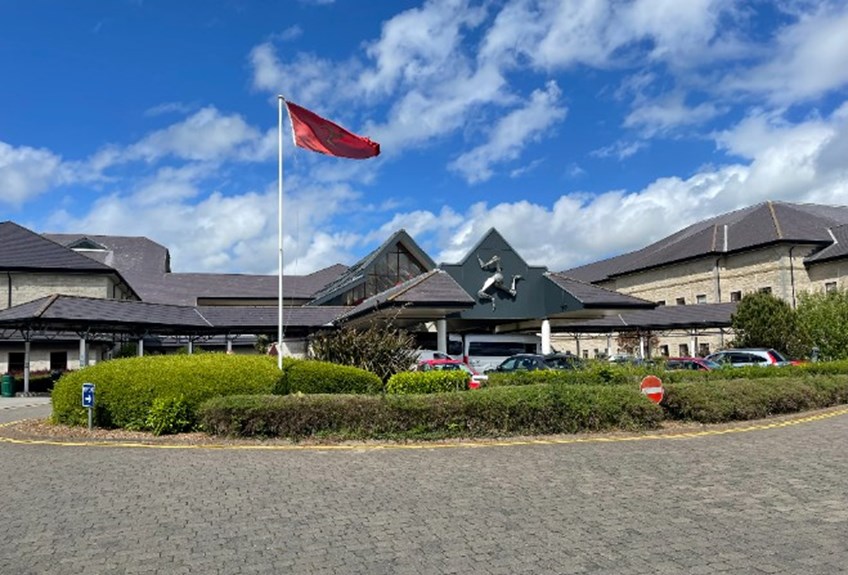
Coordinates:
[591,296]
[433,289]
[491,237]
[25,250]
[355,274]
[755,226]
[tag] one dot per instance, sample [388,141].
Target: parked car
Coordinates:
[691,363]
[745,357]
[536,361]
[475,380]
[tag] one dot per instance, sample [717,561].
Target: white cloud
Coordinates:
[795,163]
[511,134]
[26,172]
[807,60]
[667,114]
[205,135]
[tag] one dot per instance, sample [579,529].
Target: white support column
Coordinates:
[26,365]
[546,336]
[83,352]
[693,345]
[229,345]
[642,346]
[609,345]
[191,346]
[577,343]
[442,335]
[141,347]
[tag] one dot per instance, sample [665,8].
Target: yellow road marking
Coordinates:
[438,445]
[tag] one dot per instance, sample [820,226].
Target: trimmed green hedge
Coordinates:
[736,400]
[427,381]
[127,389]
[530,410]
[312,376]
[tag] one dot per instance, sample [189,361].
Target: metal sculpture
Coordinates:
[495,281]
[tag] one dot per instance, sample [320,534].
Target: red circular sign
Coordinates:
[652,387]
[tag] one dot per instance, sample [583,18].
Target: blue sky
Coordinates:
[580,129]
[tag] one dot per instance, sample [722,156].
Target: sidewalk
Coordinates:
[19,401]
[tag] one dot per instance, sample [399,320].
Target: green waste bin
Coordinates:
[7,385]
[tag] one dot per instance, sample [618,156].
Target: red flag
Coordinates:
[318,134]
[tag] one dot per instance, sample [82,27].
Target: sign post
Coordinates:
[652,387]
[88,400]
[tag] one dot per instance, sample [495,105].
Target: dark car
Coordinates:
[691,363]
[535,362]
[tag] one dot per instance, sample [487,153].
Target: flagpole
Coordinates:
[280,101]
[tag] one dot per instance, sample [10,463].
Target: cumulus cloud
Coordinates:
[26,172]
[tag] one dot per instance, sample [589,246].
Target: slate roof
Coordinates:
[591,296]
[838,249]
[755,226]
[25,250]
[75,313]
[435,288]
[263,317]
[80,313]
[658,319]
[146,265]
[355,274]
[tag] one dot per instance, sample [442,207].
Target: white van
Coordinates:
[486,351]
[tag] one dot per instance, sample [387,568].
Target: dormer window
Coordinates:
[87,244]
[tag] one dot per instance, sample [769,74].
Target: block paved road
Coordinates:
[767,501]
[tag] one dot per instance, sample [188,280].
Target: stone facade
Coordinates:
[779,269]
[18,288]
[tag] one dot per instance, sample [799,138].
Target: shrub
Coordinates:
[427,381]
[169,415]
[126,389]
[534,409]
[722,401]
[382,349]
[311,376]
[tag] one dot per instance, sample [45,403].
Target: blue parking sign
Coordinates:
[88,395]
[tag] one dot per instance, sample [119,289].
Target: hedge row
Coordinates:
[310,376]
[126,390]
[535,409]
[737,400]
[427,381]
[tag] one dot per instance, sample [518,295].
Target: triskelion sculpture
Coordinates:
[496,280]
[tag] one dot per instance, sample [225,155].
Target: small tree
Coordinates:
[823,322]
[630,341]
[382,349]
[763,320]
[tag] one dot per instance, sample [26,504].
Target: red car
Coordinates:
[693,363]
[475,379]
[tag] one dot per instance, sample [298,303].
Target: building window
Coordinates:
[701,298]
[683,349]
[661,302]
[766,289]
[585,354]
[16,362]
[736,296]
[664,350]
[703,349]
[681,301]
[830,287]
[58,360]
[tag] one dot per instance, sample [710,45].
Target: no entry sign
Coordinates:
[652,387]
